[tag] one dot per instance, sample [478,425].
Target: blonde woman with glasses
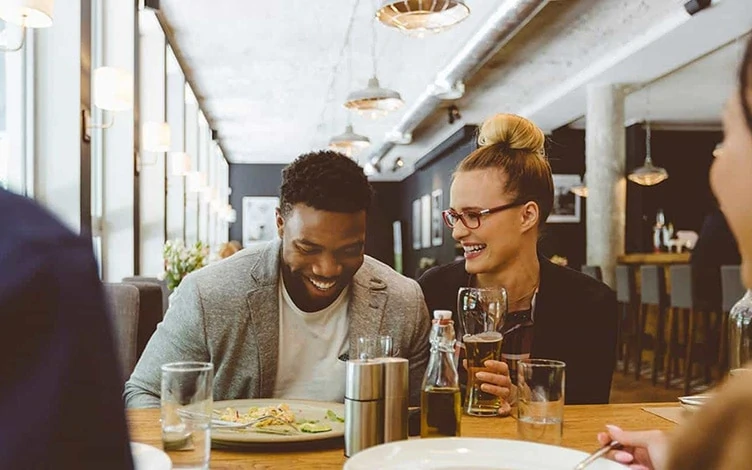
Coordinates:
[500,198]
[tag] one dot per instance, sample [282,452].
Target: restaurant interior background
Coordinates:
[139,122]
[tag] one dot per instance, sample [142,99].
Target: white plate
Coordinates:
[457,453]
[146,457]
[303,409]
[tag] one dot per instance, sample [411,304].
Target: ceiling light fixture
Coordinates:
[421,17]
[648,174]
[26,14]
[349,143]
[398,164]
[373,101]
[580,189]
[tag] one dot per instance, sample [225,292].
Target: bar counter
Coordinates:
[654,258]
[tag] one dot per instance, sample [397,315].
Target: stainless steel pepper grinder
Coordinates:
[364,405]
[396,398]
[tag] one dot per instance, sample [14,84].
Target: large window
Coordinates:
[14,168]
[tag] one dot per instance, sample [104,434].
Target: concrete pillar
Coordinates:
[605,157]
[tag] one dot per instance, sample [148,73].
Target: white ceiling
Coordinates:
[265,71]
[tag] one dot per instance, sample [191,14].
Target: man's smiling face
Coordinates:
[321,252]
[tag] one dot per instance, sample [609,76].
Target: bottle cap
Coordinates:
[442,314]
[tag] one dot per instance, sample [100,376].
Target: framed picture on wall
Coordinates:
[416,224]
[259,224]
[566,207]
[437,226]
[425,219]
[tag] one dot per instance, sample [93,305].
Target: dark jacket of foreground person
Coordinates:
[59,379]
[575,320]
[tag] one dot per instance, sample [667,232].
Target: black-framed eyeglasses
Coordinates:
[471,218]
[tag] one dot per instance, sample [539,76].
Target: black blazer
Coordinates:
[575,322]
[60,397]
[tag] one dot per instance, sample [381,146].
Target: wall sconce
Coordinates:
[195,181]
[26,14]
[156,139]
[181,163]
[112,90]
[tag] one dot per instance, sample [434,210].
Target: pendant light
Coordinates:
[421,17]
[580,189]
[374,101]
[648,174]
[349,143]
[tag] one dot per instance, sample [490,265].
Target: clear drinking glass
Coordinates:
[540,410]
[373,347]
[186,413]
[482,313]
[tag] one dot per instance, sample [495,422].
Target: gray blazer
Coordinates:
[228,313]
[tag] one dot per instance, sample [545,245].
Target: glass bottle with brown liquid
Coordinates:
[440,402]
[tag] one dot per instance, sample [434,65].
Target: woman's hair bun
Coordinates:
[513,133]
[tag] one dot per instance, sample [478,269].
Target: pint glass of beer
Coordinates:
[482,312]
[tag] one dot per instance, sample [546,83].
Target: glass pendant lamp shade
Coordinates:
[374,100]
[580,189]
[27,13]
[421,17]
[648,174]
[349,143]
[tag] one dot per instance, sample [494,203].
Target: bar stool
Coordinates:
[684,303]
[593,271]
[732,290]
[626,297]
[652,296]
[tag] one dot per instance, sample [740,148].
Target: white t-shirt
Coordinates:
[310,344]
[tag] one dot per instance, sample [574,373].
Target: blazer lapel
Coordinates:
[263,305]
[366,309]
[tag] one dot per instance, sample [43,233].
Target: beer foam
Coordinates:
[486,337]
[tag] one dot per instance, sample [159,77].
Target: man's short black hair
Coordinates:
[327,181]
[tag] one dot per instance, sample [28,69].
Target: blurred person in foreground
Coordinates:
[718,436]
[500,198]
[280,319]
[59,380]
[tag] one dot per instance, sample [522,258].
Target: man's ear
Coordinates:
[280,221]
[530,215]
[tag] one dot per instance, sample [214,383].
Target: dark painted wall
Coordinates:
[251,180]
[685,196]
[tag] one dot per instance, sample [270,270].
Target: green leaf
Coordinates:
[314,427]
[332,416]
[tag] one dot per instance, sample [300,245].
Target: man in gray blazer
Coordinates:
[279,320]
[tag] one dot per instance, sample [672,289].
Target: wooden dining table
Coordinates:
[581,424]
